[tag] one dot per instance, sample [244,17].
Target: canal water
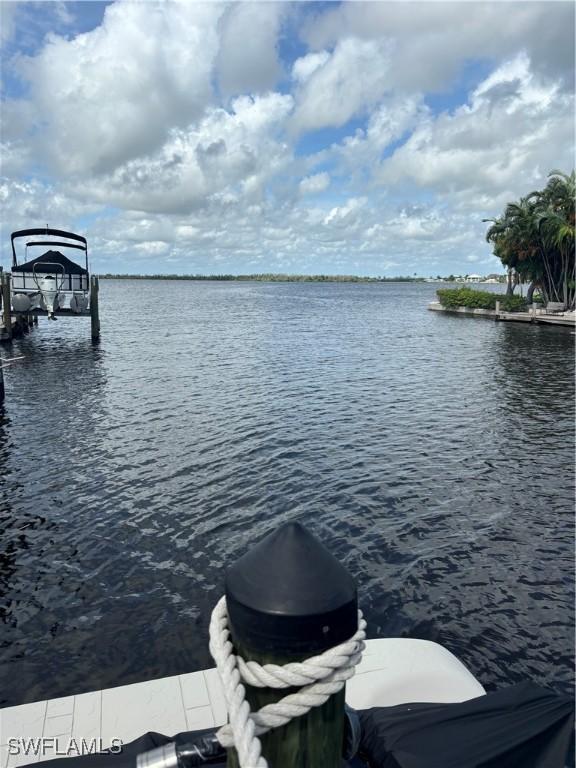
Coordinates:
[432,454]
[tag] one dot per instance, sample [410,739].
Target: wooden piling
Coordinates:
[6,305]
[94,310]
[2,392]
[289,599]
[314,740]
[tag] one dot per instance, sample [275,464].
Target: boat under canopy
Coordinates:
[75,277]
[47,282]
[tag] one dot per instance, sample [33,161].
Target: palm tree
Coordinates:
[534,239]
[556,228]
[514,236]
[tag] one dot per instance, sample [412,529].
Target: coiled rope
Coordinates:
[318,677]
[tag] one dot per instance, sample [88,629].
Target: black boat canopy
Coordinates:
[45,264]
[81,243]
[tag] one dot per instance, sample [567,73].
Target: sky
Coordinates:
[366,138]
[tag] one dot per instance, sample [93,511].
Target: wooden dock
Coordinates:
[537,317]
[567,319]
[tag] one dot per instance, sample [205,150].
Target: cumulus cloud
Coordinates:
[361,153]
[31,203]
[417,224]
[191,137]
[114,93]
[347,215]
[433,39]
[337,87]
[311,185]
[248,60]
[304,67]
[515,127]
[229,154]
[265,236]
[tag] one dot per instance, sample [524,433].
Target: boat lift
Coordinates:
[50,285]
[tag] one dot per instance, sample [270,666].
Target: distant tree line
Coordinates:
[534,240]
[272,278]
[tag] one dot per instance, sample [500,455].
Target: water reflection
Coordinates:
[53,407]
[534,369]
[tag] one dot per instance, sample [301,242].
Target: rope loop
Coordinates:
[318,678]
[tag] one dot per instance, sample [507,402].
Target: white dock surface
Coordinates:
[392,671]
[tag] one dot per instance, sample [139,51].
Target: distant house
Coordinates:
[474,278]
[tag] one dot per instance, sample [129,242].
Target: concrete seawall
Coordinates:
[468,312]
[565,319]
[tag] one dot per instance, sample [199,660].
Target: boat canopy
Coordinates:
[80,243]
[45,264]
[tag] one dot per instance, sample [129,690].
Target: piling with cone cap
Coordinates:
[288,599]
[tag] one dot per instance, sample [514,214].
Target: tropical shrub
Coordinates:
[513,304]
[453,298]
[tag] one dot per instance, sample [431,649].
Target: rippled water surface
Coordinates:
[432,454]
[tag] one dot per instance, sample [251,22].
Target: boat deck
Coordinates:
[392,671]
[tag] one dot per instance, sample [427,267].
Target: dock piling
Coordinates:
[6,305]
[94,309]
[289,599]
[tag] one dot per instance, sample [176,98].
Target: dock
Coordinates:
[14,323]
[537,317]
[19,324]
[567,319]
[392,671]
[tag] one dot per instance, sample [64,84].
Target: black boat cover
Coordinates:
[54,257]
[524,726]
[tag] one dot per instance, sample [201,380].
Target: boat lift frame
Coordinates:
[8,315]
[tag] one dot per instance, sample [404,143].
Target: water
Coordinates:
[432,454]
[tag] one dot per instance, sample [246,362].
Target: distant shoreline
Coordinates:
[280,278]
[271,278]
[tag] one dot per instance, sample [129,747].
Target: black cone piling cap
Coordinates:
[289,595]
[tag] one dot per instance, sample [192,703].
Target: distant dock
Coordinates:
[540,317]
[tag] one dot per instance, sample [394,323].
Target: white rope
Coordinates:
[318,678]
